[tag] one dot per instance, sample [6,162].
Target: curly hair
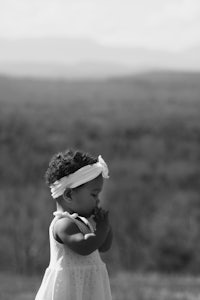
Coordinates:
[65,163]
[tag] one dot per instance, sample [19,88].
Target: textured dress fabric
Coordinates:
[71,276]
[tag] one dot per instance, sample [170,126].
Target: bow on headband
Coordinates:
[81,176]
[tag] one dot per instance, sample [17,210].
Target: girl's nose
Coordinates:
[97,202]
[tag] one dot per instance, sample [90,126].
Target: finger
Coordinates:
[105,213]
[106,216]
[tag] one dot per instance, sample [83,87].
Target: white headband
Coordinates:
[79,177]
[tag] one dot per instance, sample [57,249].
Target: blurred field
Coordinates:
[125,286]
[147,128]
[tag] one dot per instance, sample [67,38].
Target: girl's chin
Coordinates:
[91,213]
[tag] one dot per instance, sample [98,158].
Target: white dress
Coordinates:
[71,276]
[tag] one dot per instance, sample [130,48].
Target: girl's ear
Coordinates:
[67,195]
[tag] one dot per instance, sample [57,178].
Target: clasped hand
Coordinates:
[101,217]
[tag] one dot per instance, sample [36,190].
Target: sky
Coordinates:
[171,25]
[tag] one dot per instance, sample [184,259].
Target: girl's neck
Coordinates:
[60,208]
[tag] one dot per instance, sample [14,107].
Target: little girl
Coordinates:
[79,230]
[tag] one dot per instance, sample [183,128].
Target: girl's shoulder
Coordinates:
[64,224]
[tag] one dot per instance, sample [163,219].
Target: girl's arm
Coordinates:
[67,232]
[98,215]
[108,242]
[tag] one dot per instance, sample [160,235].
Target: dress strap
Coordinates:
[87,223]
[62,214]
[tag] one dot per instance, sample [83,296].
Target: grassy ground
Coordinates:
[125,286]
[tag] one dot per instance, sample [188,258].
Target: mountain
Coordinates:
[68,71]
[74,58]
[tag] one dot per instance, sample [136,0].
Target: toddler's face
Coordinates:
[86,197]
